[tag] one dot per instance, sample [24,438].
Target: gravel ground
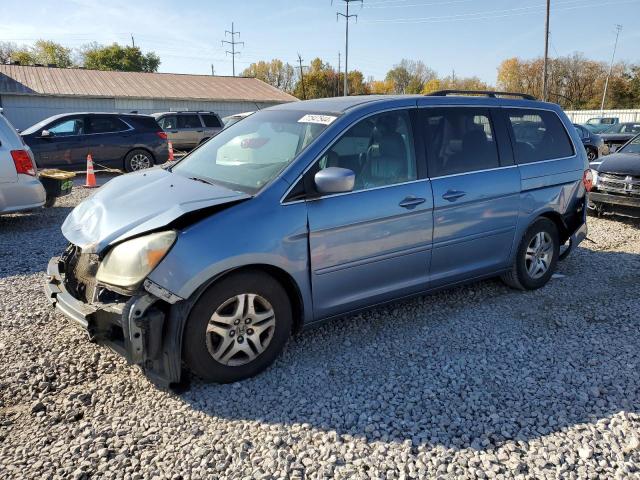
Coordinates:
[475,382]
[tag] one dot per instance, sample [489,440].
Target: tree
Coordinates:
[7,49]
[409,76]
[117,57]
[46,52]
[276,73]
[381,87]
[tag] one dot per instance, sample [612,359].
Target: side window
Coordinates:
[379,150]
[106,125]
[67,127]
[189,121]
[211,121]
[539,135]
[459,140]
[168,123]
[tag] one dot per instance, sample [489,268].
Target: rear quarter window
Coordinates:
[211,121]
[538,135]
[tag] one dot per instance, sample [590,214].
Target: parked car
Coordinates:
[616,182]
[232,119]
[121,140]
[187,130]
[366,200]
[593,143]
[619,134]
[20,188]
[600,124]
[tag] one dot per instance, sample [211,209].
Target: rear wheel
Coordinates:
[592,154]
[237,328]
[137,160]
[536,258]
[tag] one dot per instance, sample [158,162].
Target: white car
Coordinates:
[20,188]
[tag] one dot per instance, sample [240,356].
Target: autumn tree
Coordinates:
[409,76]
[117,57]
[276,73]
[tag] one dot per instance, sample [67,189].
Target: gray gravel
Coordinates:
[475,382]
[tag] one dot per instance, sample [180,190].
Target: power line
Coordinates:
[346,47]
[606,83]
[233,44]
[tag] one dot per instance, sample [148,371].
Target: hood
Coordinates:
[622,163]
[137,203]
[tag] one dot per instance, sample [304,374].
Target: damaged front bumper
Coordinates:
[142,328]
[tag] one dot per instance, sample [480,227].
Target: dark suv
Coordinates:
[120,140]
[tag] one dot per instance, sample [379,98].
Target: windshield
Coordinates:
[249,154]
[633,146]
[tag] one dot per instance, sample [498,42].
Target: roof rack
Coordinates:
[486,93]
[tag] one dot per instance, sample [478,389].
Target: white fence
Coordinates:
[581,116]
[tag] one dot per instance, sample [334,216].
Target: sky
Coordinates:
[470,37]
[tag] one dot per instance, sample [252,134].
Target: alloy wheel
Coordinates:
[140,161]
[240,329]
[539,255]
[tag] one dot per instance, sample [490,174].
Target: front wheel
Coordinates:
[536,258]
[137,160]
[237,327]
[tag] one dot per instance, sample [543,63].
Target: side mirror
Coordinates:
[335,180]
[45,133]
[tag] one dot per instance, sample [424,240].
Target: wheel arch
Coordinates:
[556,218]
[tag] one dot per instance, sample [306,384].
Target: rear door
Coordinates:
[107,139]
[190,130]
[476,191]
[372,244]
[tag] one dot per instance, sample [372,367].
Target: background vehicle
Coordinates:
[616,183]
[187,130]
[232,119]
[121,140]
[619,134]
[593,143]
[356,201]
[600,124]
[20,188]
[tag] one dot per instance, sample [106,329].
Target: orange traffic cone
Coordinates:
[171,159]
[91,177]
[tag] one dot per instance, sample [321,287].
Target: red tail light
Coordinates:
[587,180]
[162,135]
[23,162]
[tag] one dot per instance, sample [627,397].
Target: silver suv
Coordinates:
[186,130]
[20,188]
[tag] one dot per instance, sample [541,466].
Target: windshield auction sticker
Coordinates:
[321,119]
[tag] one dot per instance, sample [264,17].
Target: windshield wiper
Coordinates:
[198,179]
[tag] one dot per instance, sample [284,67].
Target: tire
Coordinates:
[520,276]
[209,347]
[592,155]
[49,202]
[137,160]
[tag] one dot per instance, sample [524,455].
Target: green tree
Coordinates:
[47,52]
[276,73]
[409,76]
[117,57]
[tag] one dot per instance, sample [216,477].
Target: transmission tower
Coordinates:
[233,44]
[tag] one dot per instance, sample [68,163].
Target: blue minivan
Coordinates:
[316,209]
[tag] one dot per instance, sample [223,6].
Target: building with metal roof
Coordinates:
[29,94]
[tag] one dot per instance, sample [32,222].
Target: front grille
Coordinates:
[617,183]
[80,273]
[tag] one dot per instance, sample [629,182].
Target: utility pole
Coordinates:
[606,83]
[233,44]
[546,53]
[213,72]
[133,41]
[338,78]
[304,93]
[346,47]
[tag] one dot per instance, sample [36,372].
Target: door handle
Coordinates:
[453,195]
[199,131]
[173,131]
[411,202]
